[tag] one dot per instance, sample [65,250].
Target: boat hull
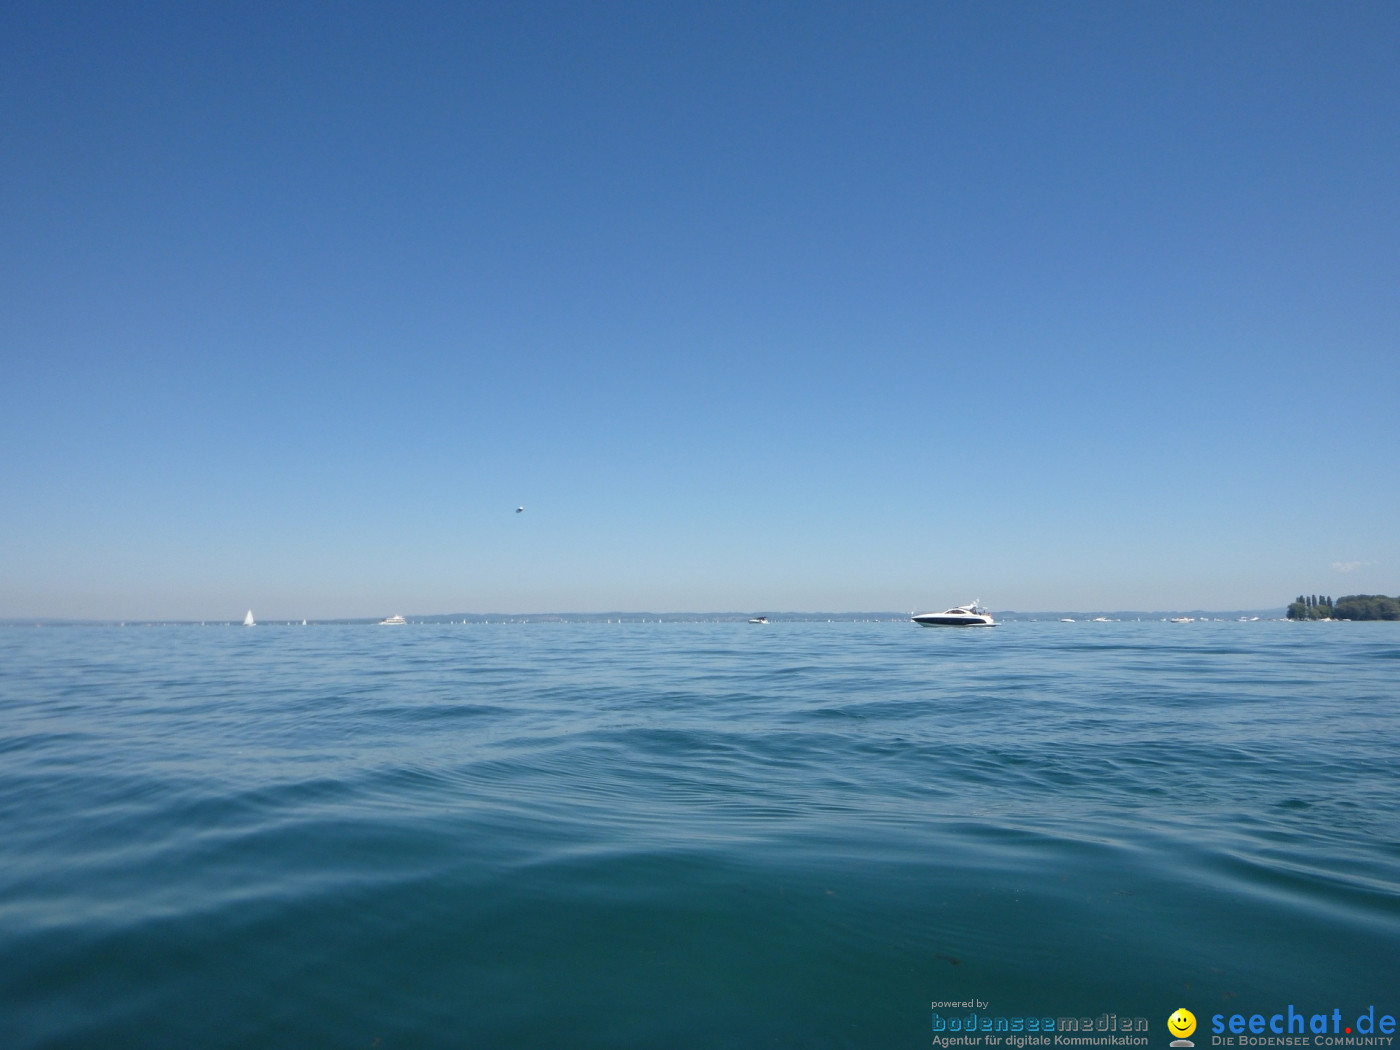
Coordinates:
[943,620]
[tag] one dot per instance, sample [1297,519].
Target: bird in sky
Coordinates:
[520,510]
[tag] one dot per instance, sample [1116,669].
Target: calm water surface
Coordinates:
[687,835]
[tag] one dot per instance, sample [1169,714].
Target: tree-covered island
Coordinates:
[1347,607]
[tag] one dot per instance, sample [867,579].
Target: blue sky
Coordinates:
[769,306]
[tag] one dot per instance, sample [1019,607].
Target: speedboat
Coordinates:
[759,619]
[390,621]
[969,615]
[1183,619]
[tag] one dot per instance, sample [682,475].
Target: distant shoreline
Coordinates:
[647,617]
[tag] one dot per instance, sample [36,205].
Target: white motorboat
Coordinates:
[391,621]
[1183,619]
[248,620]
[758,619]
[969,615]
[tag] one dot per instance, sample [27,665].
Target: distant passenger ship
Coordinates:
[969,615]
[391,621]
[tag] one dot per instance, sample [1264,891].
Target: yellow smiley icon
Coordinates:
[1182,1023]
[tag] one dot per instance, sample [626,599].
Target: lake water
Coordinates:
[688,834]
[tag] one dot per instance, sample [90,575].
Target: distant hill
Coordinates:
[1141,614]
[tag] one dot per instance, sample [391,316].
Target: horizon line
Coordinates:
[678,615]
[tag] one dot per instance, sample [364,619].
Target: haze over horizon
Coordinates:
[749,306]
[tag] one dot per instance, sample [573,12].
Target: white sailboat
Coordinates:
[248,620]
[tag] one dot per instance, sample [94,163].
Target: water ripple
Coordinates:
[684,834]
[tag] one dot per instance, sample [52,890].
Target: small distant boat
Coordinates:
[969,615]
[1183,619]
[1067,619]
[392,621]
[248,620]
[1100,619]
[758,619]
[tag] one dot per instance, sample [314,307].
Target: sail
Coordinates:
[248,620]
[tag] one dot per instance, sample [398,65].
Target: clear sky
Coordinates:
[752,306]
